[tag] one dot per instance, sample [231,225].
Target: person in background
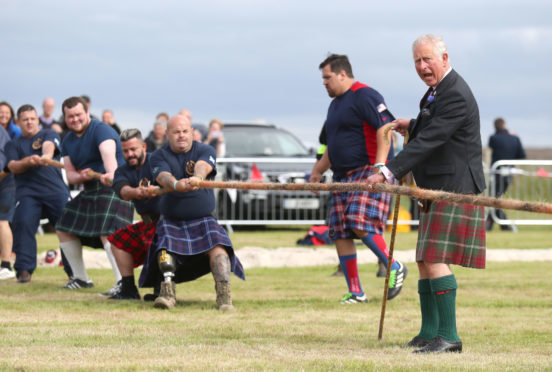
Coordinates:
[7,210]
[107,117]
[40,189]
[198,136]
[505,146]
[7,121]
[46,120]
[444,153]
[356,149]
[96,212]
[163,116]
[215,137]
[157,137]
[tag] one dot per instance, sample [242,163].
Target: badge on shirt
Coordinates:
[37,144]
[144,182]
[212,160]
[381,108]
[190,167]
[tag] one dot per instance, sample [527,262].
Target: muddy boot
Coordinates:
[167,296]
[224,296]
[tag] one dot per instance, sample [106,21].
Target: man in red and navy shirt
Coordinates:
[356,148]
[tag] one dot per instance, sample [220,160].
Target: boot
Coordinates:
[167,296]
[224,296]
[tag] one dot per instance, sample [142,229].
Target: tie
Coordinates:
[424,98]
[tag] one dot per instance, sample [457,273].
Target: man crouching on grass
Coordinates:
[188,242]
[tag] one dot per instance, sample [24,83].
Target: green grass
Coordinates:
[286,319]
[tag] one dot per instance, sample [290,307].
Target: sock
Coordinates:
[6,264]
[350,270]
[377,245]
[127,284]
[428,306]
[73,253]
[111,258]
[444,289]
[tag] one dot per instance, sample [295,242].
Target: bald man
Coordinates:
[189,241]
[46,120]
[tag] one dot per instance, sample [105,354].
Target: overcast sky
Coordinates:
[258,60]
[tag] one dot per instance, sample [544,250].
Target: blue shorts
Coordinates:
[7,205]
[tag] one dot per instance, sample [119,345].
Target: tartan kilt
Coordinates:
[452,234]
[96,211]
[135,239]
[187,241]
[361,210]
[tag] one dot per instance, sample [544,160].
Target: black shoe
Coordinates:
[396,280]
[150,297]
[440,345]
[417,341]
[24,277]
[77,283]
[133,295]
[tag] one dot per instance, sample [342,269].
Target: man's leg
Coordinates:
[167,293]
[443,287]
[6,244]
[109,253]
[346,251]
[72,249]
[25,222]
[220,267]
[125,263]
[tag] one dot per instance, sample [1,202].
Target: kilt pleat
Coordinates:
[94,212]
[452,234]
[187,241]
[361,210]
[135,239]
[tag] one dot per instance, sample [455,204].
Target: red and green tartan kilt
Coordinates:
[452,234]
[135,239]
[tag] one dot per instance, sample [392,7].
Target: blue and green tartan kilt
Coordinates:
[96,211]
[452,234]
[188,242]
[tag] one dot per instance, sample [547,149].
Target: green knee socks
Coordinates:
[444,291]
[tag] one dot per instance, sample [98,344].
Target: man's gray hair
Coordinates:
[439,46]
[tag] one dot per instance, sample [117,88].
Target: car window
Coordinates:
[259,141]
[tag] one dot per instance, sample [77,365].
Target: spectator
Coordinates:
[107,117]
[505,146]
[215,137]
[157,137]
[189,242]
[198,136]
[7,209]
[7,117]
[187,113]
[96,212]
[40,189]
[46,120]
[163,116]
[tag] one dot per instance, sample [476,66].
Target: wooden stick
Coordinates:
[97,176]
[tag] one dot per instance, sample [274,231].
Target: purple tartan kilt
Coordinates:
[188,241]
[96,211]
[452,234]
[361,210]
[134,239]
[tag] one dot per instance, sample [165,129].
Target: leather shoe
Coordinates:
[417,341]
[24,277]
[440,345]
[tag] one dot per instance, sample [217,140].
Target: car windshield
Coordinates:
[261,141]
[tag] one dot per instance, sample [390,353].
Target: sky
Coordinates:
[258,60]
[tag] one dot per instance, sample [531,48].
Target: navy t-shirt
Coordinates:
[7,183]
[351,125]
[37,181]
[84,151]
[126,175]
[185,205]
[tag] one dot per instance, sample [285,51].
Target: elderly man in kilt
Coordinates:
[188,242]
[133,181]
[444,153]
[96,212]
[356,148]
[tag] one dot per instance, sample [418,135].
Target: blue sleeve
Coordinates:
[209,155]
[372,108]
[158,164]
[10,153]
[120,176]
[104,132]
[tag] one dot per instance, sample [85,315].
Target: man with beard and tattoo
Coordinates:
[133,181]
[189,242]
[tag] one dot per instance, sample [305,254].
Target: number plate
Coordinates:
[301,203]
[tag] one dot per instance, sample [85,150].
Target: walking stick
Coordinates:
[391,244]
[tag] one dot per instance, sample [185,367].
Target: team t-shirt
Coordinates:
[185,205]
[84,151]
[351,125]
[126,175]
[40,180]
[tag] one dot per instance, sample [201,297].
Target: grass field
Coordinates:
[286,319]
